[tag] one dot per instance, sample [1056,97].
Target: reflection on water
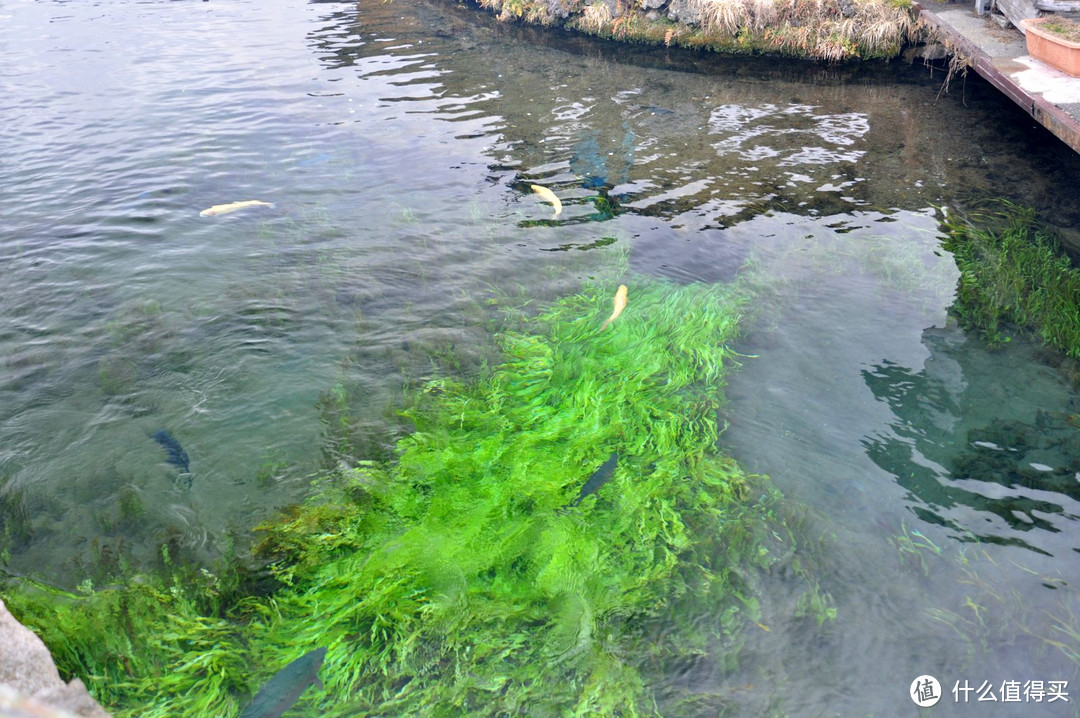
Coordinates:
[398,142]
[966,437]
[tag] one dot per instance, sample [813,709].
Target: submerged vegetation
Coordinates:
[462,575]
[1014,273]
[831,30]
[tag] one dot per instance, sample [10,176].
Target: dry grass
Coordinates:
[763,13]
[596,16]
[830,30]
[723,16]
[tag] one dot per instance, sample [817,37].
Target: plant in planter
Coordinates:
[1055,41]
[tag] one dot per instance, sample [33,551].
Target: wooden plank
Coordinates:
[1060,123]
[1017,10]
[1058,5]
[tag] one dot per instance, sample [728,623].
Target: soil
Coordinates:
[1062,27]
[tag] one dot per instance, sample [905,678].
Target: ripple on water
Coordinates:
[397,141]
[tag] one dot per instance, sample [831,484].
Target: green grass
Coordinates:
[1014,274]
[455,578]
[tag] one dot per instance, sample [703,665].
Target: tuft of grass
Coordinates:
[595,16]
[723,16]
[457,578]
[1014,273]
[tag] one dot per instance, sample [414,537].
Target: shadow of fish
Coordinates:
[653,109]
[281,692]
[587,161]
[599,168]
[600,477]
[174,453]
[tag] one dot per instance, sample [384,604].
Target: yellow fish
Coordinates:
[620,304]
[548,195]
[219,209]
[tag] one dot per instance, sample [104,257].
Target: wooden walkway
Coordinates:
[1050,96]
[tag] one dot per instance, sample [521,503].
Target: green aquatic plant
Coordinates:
[15,522]
[912,545]
[493,580]
[1014,273]
[817,604]
[1064,630]
[157,645]
[459,577]
[993,606]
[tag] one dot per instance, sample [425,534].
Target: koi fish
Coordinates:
[219,209]
[620,304]
[549,196]
[283,690]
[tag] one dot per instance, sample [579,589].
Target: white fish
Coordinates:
[549,196]
[620,304]
[219,209]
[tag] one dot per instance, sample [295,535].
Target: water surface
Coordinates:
[397,142]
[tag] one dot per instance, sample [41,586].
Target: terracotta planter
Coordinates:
[1052,49]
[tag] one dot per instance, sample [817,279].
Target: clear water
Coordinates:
[397,142]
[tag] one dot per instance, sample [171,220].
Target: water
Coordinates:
[935,479]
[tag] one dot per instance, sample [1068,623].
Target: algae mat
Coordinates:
[464,576]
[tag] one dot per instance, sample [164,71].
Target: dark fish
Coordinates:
[655,110]
[281,692]
[600,477]
[175,453]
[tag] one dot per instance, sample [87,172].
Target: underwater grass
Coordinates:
[154,641]
[1014,272]
[458,577]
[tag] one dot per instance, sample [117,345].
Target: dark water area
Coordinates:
[936,479]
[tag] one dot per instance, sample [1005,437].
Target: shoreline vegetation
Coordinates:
[476,571]
[824,30]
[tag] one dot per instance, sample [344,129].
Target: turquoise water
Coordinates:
[397,141]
